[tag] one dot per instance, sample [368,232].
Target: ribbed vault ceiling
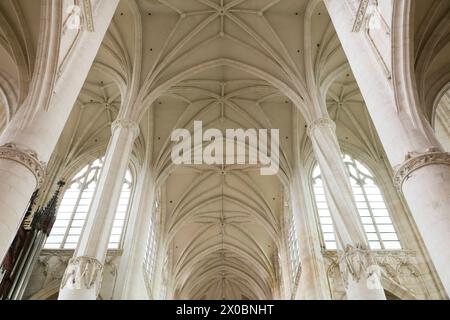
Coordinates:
[231,64]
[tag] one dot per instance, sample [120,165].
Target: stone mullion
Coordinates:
[369,207]
[77,203]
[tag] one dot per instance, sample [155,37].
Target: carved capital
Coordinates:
[126,124]
[417,160]
[355,263]
[321,123]
[83,273]
[27,158]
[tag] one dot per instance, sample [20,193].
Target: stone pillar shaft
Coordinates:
[355,256]
[424,179]
[130,283]
[93,243]
[20,174]
[313,284]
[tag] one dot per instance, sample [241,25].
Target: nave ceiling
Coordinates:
[231,64]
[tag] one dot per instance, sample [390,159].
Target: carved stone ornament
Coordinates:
[355,262]
[87,9]
[321,123]
[126,124]
[417,160]
[82,273]
[27,158]
[360,15]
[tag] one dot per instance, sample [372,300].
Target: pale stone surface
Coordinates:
[428,191]
[349,232]
[16,184]
[398,135]
[223,223]
[94,239]
[42,132]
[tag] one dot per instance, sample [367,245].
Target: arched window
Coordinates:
[150,253]
[292,245]
[374,215]
[74,207]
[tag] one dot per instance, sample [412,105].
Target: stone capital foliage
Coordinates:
[126,124]
[417,160]
[355,263]
[320,124]
[82,273]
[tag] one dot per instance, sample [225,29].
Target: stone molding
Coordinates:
[87,9]
[417,160]
[360,15]
[355,263]
[83,273]
[321,123]
[27,158]
[126,124]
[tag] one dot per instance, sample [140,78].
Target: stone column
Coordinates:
[20,173]
[313,284]
[424,179]
[313,277]
[284,270]
[422,168]
[130,283]
[28,142]
[82,279]
[356,263]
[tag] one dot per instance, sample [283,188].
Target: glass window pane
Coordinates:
[361,205]
[327,228]
[380,213]
[372,236]
[374,245]
[369,201]
[383,220]
[364,212]
[78,223]
[324,220]
[72,239]
[389,237]
[366,220]
[375,197]
[328,236]
[330,245]
[74,207]
[386,228]
[392,245]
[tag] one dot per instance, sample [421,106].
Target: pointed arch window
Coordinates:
[74,207]
[293,248]
[151,249]
[374,215]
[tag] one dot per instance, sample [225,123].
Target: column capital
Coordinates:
[417,160]
[126,124]
[27,158]
[356,263]
[324,122]
[82,273]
